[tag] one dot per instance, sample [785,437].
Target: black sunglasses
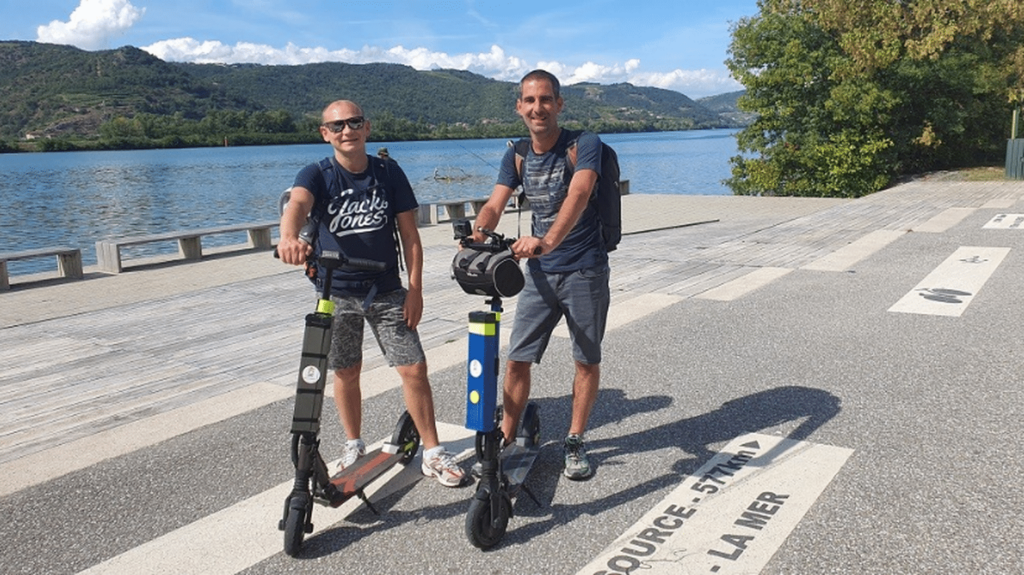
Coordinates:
[339,125]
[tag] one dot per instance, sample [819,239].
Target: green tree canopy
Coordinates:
[853,93]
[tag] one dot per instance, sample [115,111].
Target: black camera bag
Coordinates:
[488,273]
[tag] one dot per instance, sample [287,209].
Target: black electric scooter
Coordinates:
[313,483]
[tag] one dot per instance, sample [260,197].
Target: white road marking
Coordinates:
[731,515]
[79,454]
[623,312]
[1006,222]
[246,533]
[741,286]
[945,220]
[999,204]
[848,256]
[951,287]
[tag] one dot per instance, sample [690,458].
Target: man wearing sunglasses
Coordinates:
[358,202]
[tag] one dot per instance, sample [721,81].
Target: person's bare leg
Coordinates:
[584,395]
[516,394]
[419,400]
[348,398]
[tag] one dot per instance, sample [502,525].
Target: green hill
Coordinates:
[726,106]
[434,96]
[61,91]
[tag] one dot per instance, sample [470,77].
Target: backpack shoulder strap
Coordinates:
[329,175]
[522,148]
[327,169]
[570,150]
[385,164]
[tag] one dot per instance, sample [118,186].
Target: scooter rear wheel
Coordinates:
[406,437]
[483,530]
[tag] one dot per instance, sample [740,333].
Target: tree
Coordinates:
[852,93]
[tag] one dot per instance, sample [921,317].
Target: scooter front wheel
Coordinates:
[295,524]
[482,529]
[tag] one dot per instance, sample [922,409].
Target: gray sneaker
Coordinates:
[577,466]
[444,468]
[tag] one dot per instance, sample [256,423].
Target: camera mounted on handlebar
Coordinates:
[488,268]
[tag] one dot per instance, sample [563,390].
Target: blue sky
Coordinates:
[675,44]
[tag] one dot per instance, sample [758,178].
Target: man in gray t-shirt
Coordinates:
[567,265]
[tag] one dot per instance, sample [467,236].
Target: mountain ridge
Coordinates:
[49,90]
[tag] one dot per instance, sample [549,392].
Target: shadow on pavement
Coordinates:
[694,436]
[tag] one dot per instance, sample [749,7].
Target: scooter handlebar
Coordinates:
[334,259]
[495,247]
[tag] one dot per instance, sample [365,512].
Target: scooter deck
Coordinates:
[516,461]
[351,480]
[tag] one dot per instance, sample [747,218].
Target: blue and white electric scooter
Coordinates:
[489,269]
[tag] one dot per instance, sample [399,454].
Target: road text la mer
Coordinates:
[756,517]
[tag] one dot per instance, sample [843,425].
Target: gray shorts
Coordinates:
[401,345]
[581,296]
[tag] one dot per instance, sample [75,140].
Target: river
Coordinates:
[77,198]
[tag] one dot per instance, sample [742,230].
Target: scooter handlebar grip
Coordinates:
[369,265]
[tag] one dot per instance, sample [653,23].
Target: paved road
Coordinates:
[759,358]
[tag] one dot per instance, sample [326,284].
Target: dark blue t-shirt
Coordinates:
[358,214]
[546,184]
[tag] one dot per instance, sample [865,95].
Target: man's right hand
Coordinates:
[478,237]
[293,251]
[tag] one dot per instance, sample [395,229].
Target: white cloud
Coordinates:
[92,24]
[693,83]
[493,64]
[206,52]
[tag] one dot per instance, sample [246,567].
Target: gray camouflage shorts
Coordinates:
[401,345]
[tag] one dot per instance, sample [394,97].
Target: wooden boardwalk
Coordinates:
[81,358]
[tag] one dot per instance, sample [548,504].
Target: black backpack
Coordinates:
[607,198]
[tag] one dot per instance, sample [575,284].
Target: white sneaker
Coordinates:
[443,466]
[354,449]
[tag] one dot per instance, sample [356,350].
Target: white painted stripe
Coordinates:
[951,287]
[730,516]
[1006,222]
[848,256]
[945,220]
[741,286]
[246,533]
[999,204]
[79,454]
[623,312]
